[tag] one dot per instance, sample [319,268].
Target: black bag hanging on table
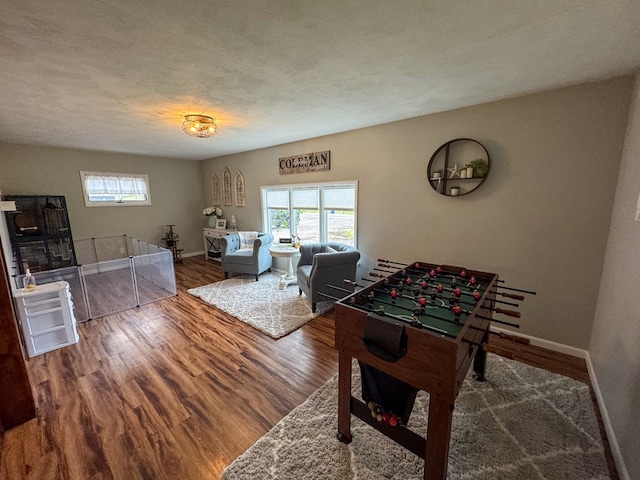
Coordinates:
[387,341]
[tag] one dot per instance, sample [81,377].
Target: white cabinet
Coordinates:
[212,244]
[46,317]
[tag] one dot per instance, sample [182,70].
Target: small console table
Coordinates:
[212,245]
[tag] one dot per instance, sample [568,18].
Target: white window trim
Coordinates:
[89,203]
[354,183]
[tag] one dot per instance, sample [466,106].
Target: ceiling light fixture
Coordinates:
[201,126]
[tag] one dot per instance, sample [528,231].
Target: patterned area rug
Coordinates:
[522,423]
[261,304]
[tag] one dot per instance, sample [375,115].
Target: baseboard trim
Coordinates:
[623,473]
[549,345]
[621,466]
[193,254]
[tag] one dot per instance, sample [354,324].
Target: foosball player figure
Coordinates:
[408,281]
[400,285]
[457,310]
[452,299]
[473,281]
[440,289]
[371,297]
[463,273]
[394,295]
[454,281]
[424,284]
[422,303]
[476,295]
[433,294]
[385,284]
[415,321]
[432,274]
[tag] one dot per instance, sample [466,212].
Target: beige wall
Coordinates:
[540,220]
[176,192]
[615,341]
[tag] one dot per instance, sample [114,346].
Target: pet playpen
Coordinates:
[114,274]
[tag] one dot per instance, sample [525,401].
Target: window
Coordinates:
[109,189]
[315,213]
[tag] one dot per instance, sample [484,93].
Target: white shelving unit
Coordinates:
[46,317]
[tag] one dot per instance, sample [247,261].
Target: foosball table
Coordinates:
[422,326]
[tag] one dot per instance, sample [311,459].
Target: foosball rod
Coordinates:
[530,292]
[449,289]
[513,338]
[510,313]
[503,335]
[418,324]
[352,283]
[502,322]
[330,296]
[460,324]
[426,295]
[446,272]
[389,261]
[508,295]
[339,288]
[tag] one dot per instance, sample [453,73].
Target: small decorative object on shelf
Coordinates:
[29,281]
[447,177]
[479,167]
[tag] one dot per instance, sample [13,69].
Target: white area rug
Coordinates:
[261,304]
[522,423]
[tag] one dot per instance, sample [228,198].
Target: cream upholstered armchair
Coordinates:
[323,264]
[243,253]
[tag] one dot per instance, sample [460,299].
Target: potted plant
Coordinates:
[171,238]
[480,167]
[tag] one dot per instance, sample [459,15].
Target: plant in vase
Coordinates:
[213,213]
[171,238]
[480,167]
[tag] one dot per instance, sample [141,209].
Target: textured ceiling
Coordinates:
[118,75]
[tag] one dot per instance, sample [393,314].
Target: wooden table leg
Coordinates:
[344,397]
[438,437]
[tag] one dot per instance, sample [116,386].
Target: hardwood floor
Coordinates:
[175,389]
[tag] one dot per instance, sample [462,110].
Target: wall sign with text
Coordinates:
[306,162]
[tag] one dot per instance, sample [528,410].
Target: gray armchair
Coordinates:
[253,262]
[323,264]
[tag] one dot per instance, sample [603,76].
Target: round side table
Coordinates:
[285,251]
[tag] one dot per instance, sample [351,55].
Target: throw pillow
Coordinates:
[328,249]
